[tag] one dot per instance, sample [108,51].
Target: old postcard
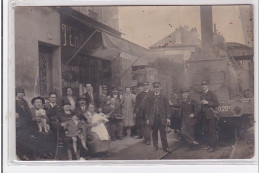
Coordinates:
[134,82]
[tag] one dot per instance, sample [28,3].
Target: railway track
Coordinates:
[171,150]
[221,153]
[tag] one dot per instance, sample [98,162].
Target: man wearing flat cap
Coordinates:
[209,103]
[157,116]
[23,126]
[143,129]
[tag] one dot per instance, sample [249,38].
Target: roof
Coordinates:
[239,51]
[181,37]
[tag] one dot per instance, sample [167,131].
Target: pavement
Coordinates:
[133,149]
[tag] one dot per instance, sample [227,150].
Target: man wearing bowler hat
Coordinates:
[82,107]
[209,103]
[157,116]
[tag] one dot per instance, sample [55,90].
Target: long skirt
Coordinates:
[128,117]
[95,145]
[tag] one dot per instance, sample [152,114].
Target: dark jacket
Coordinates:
[115,114]
[117,98]
[102,101]
[52,112]
[189,107]
[80,113]
[95,99]
[207,110]
[140,102]
[22,108]
[163,106]
[63,117]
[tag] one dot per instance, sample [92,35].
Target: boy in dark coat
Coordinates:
[188,112]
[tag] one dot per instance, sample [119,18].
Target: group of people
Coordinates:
[89,123]
[195,121]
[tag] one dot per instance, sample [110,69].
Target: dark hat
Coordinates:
[19,90]
[156,84]
[205,82]
[184,90]
[145,83]
[35,98]
[66,102]
[82,97]
[140,84]
[115,89]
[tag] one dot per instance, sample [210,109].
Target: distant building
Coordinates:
[178,45]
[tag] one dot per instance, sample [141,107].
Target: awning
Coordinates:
[121,45]
[112,46]
[112,42]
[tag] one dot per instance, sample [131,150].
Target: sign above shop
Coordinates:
[74,34]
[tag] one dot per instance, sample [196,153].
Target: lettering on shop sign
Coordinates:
[74,37]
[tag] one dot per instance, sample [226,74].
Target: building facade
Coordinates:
[59,47]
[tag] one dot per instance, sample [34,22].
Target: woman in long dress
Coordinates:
[128,101]
[98,139]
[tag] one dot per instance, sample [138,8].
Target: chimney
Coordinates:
[178,37]
[206,31]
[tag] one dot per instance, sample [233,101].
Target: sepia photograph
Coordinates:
[134,82]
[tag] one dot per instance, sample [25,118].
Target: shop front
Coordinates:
[83,56]
[91,53]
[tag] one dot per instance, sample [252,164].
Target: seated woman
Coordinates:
[98,139]
[63,117]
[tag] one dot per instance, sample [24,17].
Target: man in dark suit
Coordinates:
[143,129]
[52,111]
[91,96]
[157,116]
[103,98]
[209,103]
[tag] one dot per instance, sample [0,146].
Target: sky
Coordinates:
[145,25]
